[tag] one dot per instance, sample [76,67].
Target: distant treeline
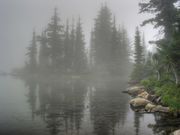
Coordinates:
[61,48]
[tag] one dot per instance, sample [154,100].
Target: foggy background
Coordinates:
[20,17]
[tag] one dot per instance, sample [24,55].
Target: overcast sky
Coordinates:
[19,17]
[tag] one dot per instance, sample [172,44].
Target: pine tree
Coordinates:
[80,62]
[72,44]
[68,49]
[124,51]
[165,14]
[138,58]
[103,30]
[32,55]
[44,59]
[55,42]
[92,51]
[114,50]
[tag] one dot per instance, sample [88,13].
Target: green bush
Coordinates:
[165,88]
[170,94]
[151,83]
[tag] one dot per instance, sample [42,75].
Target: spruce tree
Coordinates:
[124,63]
[44,53]
[165,14]
[72,45]
[55,42]
[92,51]
[138,58]
[103,30]
[80,61]
[32,55]
[114,50]
[68,49]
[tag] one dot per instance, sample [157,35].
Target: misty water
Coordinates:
[70,107]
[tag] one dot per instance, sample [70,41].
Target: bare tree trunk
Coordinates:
[175,75]
[158,75]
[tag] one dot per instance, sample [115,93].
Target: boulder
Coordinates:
[144,95]
[134,91]
[160,108]
[139,102]
[149,107]
[177,132]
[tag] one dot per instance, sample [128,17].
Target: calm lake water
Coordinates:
[70,107]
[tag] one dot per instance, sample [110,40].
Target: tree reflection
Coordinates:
[32,89]
[61,104]
[108,107]
[164,125]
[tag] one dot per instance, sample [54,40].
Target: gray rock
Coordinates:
[160,108]
[136,90]
[177,132]
[149,107]
[139,102]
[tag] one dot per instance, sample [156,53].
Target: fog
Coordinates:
[20,17]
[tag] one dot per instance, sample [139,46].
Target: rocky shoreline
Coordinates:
[146,102]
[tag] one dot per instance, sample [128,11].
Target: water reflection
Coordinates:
[79,107]
[61,104]
[108,108]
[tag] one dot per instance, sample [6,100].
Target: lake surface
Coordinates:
[71,107]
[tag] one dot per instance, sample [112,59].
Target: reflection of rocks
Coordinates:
[177,132]
[164,124]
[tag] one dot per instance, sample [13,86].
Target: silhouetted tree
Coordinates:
[138,57]
[32,55]
[80,60]
[44,53]
[55,42]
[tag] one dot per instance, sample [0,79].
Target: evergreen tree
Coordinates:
[138,57]
[44,59]
[92,51]
[114,50]
[72,44]
[123,53]
[68,49]
[165,14]
[103,30]
[32,55]
[55,42]
[80,61]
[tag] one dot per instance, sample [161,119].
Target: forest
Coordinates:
[61,49]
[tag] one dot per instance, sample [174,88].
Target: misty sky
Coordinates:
[19,17]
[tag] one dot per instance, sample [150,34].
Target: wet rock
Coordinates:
[134,91]
[151,98]
[149,107]
[177,132]
[139,102]
[160,108]
[158,100]
[144,95]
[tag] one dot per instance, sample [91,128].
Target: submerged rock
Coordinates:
[139,102]
[177,132]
